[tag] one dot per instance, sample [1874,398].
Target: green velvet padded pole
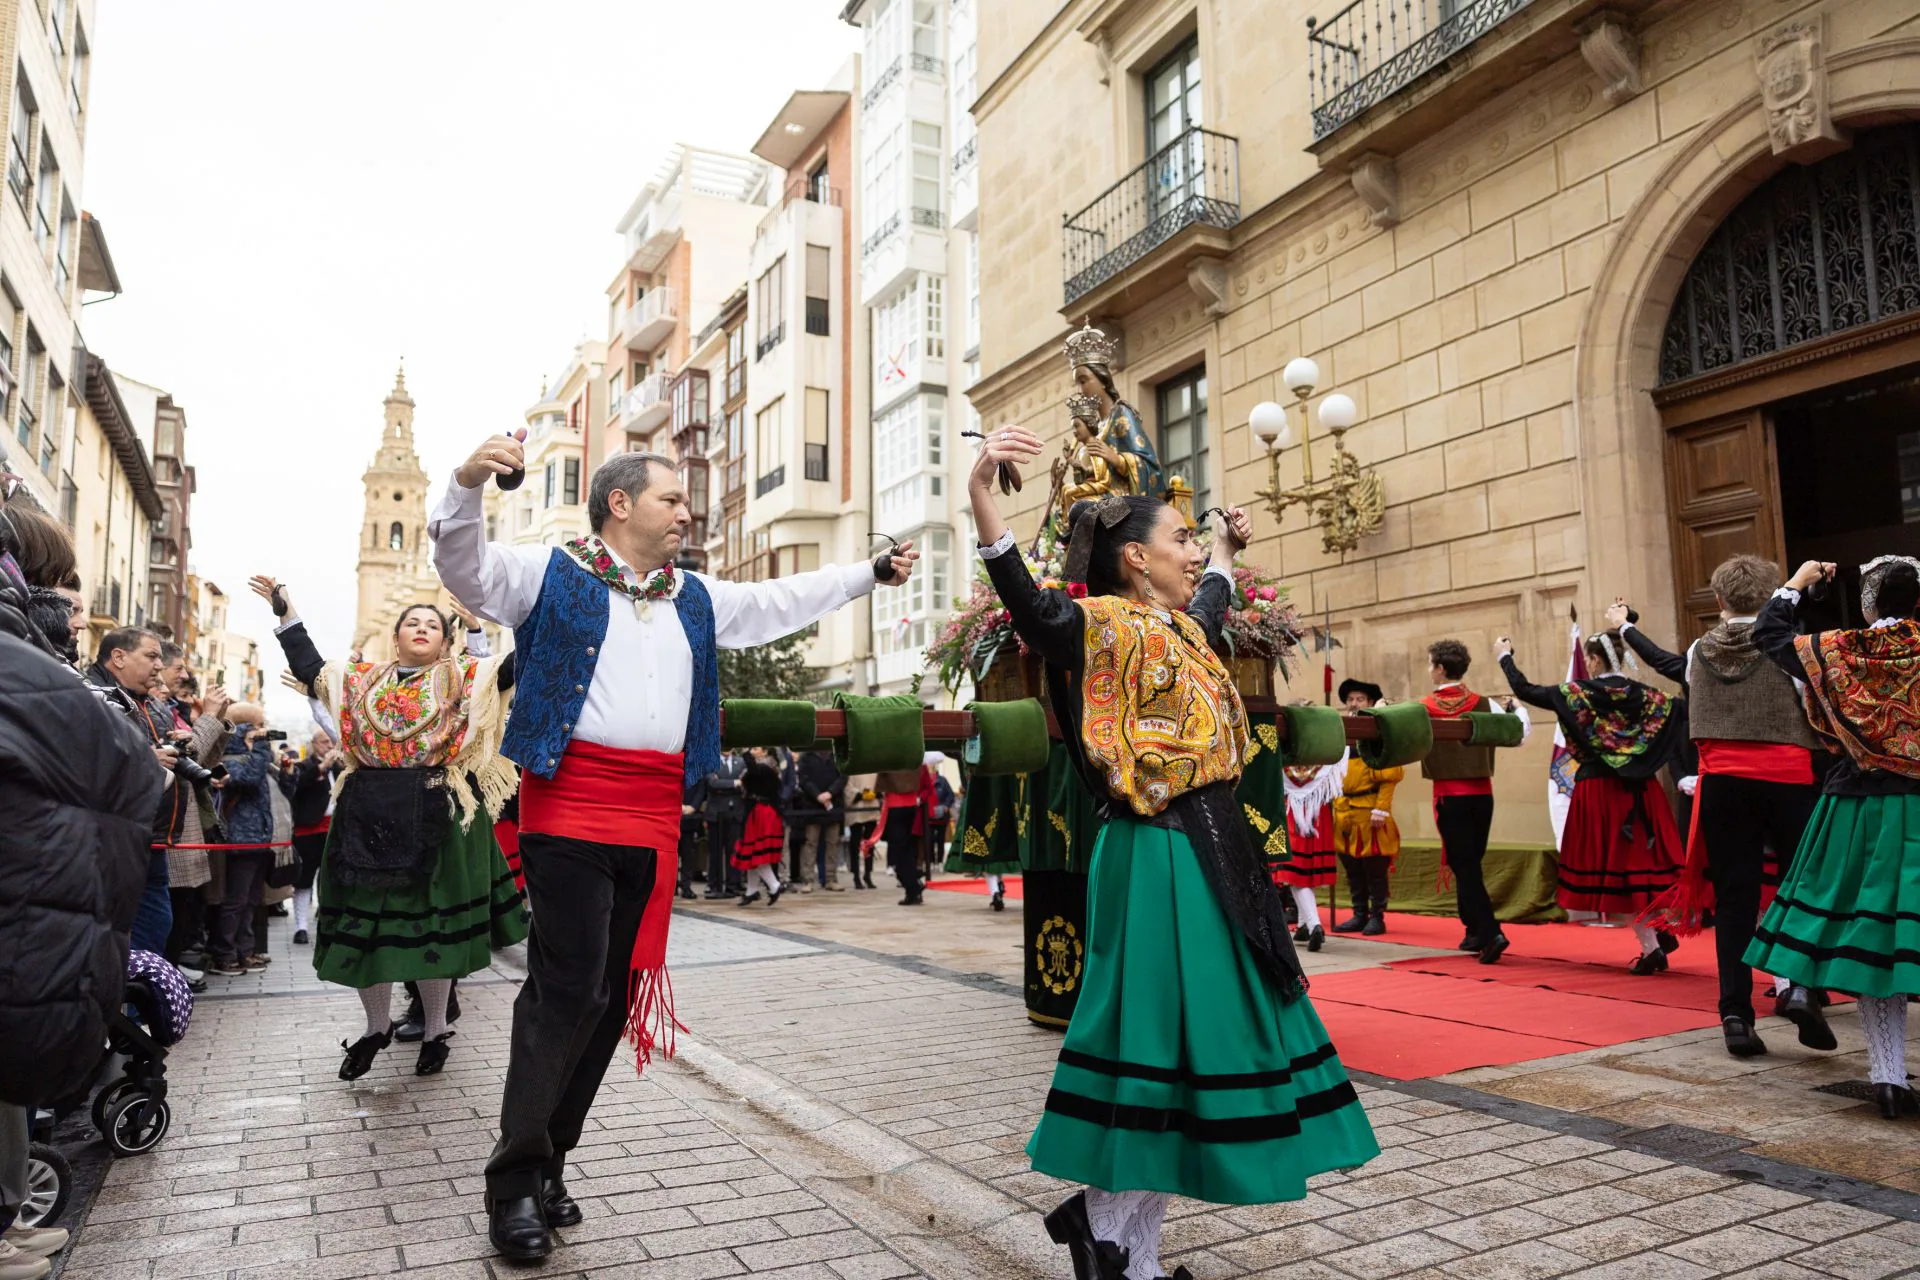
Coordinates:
[766,722]
[882,733]
[1406,735]
[1491,729]
[1315,735]
[1009,737]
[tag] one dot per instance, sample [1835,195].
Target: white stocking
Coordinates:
[1648,942]
[1884,1019]
[994,883]
[764,874]
[377,1000]
[1780,984]
[433,1004]
[1119,1218]
[1309,909]
[302,909]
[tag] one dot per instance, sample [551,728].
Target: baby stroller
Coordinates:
[131,1112]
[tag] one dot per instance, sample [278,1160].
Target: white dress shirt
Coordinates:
[642,684]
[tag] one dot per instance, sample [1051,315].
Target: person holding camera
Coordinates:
[412,884]
[247,815]
[124,670]
[308,785]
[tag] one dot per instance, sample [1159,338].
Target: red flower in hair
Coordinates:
[1077,590]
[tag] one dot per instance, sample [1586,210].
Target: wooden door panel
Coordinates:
[1723,500]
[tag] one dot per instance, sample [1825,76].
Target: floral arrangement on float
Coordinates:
[1262,630]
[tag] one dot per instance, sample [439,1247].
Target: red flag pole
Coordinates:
[1326,640]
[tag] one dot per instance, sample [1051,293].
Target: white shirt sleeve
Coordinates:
[998,547]
[477,646]
[323,718]
[498,582]
[1214,568]
[1517,709]
[750,613]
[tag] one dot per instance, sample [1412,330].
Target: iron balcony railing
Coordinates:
[969,152]
[1192,181]
[816,462]
[928,218]
[1372,49]
[817,318]
[881,83]
[774,337]
[767,483]
[881,235]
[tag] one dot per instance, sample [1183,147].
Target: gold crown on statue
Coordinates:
[1091,347]
[1084,407]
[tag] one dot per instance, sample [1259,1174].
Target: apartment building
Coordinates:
[919,284]
[722,348]
[223,657]
[113,502]
[551,505]
[170,604]
[804,424]
[686,238]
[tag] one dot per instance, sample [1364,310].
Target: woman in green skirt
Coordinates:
[1848,916]
[412,885]
[1194,1064]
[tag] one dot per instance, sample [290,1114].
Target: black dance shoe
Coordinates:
[1353,923]
[299,937]
[1895,1101]
[1655,961]
[1742,1040]
[518,1229]
[1301,933]
[433,1055]
[748,899]
[1668,943]
[1491,953]
[1472,943]
[1316,939]
[1093,1259]
[1797,1005]
[560,1209]
[775,895]
[412,1028]
[361,1052]
[1375,926]
[1000,900]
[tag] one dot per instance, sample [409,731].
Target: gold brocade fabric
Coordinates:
[1161,716]
[1365,790]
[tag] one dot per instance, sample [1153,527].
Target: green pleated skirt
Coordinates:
[446,928]
[1847,918]
[1184,1070]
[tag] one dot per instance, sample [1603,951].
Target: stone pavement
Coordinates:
[853,1102]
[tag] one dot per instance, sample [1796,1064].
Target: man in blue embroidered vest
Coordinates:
[616,712]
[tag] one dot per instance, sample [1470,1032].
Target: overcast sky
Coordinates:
[297,196]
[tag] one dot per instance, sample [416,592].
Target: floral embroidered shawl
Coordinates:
[1863,693]
[1161,716]
[1620,724]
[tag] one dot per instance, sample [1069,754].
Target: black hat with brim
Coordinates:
[1373,691]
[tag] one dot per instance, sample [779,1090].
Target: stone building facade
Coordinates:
[1618,290]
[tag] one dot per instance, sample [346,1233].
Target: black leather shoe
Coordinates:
[1742,1040]
[1896,1102]
[1655,961]
[518,1229]
[300,937]
[411,1031]
[1092,1259]
[1316,939]
[1472,943]
[361,1052]
[1353,923]
[1375,926]
[1491,953]
[1000,901]
[1797,1005]
[560,1209]
[433,1055]
[1301,933]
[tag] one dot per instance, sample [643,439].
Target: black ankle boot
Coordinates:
[361,1053]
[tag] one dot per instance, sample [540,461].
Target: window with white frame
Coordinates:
[883,179]
[973,293]
[926,28]
[935,289]
[896,339]
[928,172]
[902,615]
[883,43]
[26,118]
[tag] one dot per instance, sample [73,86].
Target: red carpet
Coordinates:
[1403,1047]
[1479,1005]
[979,886]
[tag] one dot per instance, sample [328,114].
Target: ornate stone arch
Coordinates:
[1616,359]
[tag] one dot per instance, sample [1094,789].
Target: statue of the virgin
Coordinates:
[1124,445]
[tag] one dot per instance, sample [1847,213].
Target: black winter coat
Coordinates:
[78,786]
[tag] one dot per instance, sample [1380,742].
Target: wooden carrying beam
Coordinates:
[957,726]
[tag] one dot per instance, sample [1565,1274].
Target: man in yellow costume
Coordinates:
[1364,833]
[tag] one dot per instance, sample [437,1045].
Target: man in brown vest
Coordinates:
[1462,778]
[1756,790]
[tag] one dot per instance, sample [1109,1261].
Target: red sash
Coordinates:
[609,796]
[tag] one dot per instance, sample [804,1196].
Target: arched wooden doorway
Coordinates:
[1789,373]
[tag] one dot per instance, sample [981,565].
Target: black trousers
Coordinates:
[723,833]
[587,901]
[1366,883]
[1739,819]
[1464,822]
[903,850]
[309,848]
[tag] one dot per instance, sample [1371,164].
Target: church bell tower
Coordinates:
[394,551]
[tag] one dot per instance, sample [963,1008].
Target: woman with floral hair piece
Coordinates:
[1621,849]
[412,885]
[1846,918]
[1194,1064]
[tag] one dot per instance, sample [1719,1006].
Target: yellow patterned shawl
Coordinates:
[1160,714]
[449,716]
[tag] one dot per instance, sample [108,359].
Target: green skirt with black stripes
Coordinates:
[445,928]
[1847,917]
[1184,1069]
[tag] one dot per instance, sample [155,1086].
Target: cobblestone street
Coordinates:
[852,1104]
